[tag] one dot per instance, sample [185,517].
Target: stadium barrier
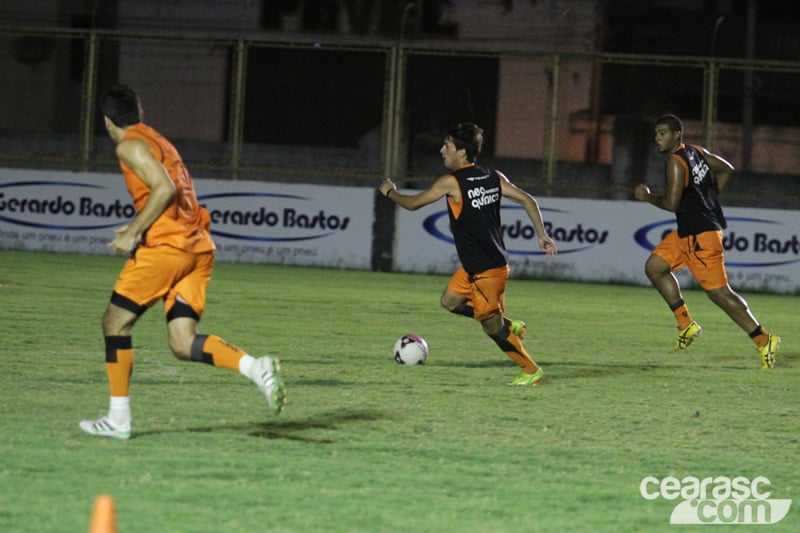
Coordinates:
[337,227]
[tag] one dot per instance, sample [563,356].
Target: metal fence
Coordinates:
[351,112]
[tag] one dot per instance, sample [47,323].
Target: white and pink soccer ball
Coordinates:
[410,349]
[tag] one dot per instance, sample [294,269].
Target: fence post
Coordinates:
[383,228]
[88,100]
[237,107]
[710,102]
[552,125]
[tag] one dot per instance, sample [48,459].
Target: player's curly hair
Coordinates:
[468,136]
[670,121]
[121,105]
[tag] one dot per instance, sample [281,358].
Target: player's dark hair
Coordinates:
[121,105]
[670,121]
[468,136]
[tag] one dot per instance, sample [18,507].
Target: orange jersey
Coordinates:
[184,224]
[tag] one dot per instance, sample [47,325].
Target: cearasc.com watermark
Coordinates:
[717,500]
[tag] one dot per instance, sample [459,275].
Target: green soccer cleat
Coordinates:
[529,379]
[518,328]
[687,335]
[104,427]
[767,352]
[266,374]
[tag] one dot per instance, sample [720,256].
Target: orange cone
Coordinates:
[103,520]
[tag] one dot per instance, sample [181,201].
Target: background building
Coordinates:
[347,90]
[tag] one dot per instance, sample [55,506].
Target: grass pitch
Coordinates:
[365,444]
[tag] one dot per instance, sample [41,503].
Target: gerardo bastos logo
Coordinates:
[519,233]
[749,242]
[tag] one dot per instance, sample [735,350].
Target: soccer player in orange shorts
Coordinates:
[170,258]
[477,288]
[694,178]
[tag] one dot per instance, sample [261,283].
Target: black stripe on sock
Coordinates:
[114,343]
[501,339]
[197,353]
[677,305]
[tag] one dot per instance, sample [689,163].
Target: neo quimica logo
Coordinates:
[717,500]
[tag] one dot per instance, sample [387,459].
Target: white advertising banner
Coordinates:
[308,225]
[313,225]
[608,241]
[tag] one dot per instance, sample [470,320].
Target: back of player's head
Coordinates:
[468,136]
[121,105]
[670,121]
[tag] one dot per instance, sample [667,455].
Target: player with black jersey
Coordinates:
[477,288]
[694,178]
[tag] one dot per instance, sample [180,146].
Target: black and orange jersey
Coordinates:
[475,220]
[699,210]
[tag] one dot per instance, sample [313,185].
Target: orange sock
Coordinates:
[760,336]
[682,316]
[119,364]
[215,351]
[512,347]
[520,356]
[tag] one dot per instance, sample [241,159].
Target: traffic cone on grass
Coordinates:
[103,520]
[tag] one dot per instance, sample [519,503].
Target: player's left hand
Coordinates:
[641,192]
[125,242]
[549,247]
[386,186]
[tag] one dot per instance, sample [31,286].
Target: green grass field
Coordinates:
[365,444]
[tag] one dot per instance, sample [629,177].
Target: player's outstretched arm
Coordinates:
[444,186]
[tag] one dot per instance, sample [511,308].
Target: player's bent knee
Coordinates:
[493,325]
[181,348]
[181,354]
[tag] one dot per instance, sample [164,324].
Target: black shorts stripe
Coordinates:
[181,310]
[127,304]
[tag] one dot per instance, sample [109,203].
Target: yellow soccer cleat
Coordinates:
[518,328]
[687,335]
[767,352]
[529,379]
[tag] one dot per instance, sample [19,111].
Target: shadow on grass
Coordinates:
[279,429]
[485,363]
[570,370]
[580,366]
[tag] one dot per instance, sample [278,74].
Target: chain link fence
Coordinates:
[350,113]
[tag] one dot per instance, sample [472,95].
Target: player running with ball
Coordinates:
[477,288]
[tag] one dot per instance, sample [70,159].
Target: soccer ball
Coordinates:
[410,349]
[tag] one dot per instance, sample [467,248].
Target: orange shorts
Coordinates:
[702,253]
[165,272]
[485,291]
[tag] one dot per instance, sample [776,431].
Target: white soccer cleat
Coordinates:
[266,374]
[104,427]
